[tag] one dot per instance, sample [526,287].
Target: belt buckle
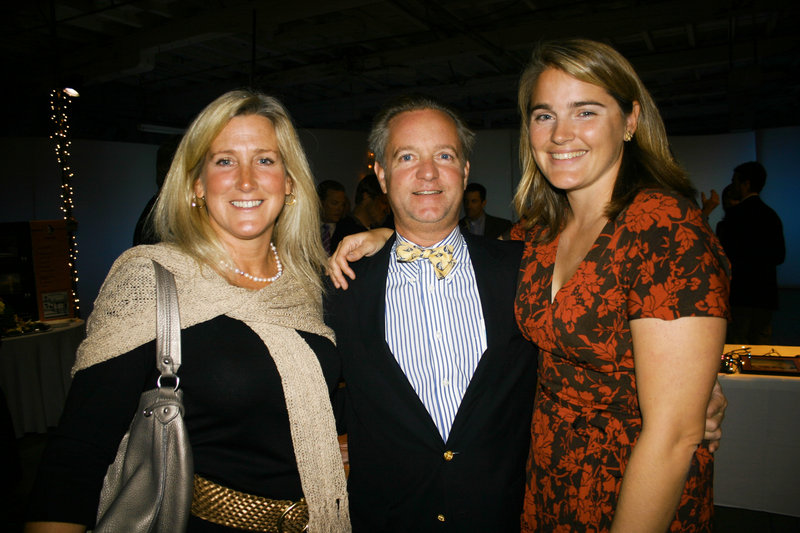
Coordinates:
[298,505]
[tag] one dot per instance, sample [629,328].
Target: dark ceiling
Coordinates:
[712,66]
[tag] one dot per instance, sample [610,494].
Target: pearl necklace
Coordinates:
[256,278]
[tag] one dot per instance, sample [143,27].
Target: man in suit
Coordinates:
[476,220]
[439,396]
[439,381]
[333,199]
[752,235]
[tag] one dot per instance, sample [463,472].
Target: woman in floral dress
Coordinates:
[624,289]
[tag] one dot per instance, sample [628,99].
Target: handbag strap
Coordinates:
[168,324]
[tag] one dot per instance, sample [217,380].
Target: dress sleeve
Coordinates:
[99,408]
[677,266]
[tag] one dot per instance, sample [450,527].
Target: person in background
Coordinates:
[728,201]
[624,289]
[370,211]
[333,199]
[144,233]
[476,220]
[751,233]
[238,223]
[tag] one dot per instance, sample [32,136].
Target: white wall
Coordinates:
[495,165]
[777,149]
[710,159]
[113,181]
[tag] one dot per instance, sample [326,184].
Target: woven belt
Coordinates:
[240,510]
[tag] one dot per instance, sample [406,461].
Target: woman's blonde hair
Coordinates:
[296,234]
[646,159]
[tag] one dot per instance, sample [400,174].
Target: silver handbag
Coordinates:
[148,487]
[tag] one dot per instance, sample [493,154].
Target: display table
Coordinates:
[35,374]
[758,464]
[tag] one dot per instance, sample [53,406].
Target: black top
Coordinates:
[235,414]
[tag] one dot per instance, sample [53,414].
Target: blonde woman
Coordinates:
[239,224]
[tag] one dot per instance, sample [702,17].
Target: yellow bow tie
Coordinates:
[440,257]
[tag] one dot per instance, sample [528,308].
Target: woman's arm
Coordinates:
[352,248]
[676,363]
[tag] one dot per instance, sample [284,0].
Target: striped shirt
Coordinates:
[435,328]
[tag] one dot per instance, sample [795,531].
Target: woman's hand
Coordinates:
[715,412]
[352,248]
[709,203]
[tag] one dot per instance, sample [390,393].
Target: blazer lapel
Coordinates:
[372,319]
[486,266]
[372,300]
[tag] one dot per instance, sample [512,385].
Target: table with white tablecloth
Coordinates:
[758,465]
[35,374]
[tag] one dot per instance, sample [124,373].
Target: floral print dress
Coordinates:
[657,259]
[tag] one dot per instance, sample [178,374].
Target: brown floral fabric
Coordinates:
[657,259]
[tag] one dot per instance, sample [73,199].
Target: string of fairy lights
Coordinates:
[60,100]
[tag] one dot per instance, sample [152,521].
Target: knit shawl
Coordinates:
[124,317]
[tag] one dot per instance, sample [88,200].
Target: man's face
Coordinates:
[333,206]
[473,205]
[424,175]
[377,209]
[741,188]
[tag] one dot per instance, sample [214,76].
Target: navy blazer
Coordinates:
[403,477]
[493,227]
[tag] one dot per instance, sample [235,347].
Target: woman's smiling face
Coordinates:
[577,132]
[244,180]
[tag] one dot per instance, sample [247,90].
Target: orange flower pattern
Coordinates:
[657,259]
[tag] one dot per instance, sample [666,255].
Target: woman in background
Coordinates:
[238,218]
